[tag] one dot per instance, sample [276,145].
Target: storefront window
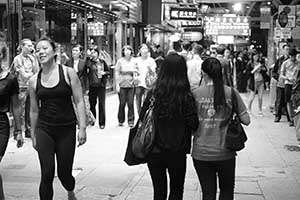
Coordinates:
[68,23]
[3,27]
[33,20]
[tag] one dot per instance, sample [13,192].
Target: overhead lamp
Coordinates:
[237,7]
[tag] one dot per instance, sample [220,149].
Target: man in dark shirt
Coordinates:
[280,100]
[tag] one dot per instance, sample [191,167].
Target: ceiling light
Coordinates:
[237,7]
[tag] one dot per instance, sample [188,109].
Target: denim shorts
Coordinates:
[4,133]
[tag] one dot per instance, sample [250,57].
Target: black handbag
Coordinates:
[143,141]
[236,136]
[130,158]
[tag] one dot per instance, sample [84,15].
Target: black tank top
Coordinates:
[55,103]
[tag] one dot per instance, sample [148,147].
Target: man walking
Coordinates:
[194,67]
[25,65]
[227,75]
[288,73]
[280,102]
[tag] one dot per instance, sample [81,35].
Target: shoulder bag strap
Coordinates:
[232,102]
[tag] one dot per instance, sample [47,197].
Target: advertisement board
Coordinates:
[286,16]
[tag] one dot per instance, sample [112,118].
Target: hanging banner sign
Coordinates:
[227,25]
[286,33]
[183,13]
[197,24]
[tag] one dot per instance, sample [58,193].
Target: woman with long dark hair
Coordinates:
[210,156]
[9,90]
[175,117]
[53,119]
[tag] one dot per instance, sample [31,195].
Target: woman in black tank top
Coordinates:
[53,119]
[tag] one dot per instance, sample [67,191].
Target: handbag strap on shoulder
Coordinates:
[233,102]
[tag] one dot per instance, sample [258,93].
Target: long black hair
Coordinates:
[213,68]
[172,87]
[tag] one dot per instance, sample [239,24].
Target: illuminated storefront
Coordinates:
[68,22]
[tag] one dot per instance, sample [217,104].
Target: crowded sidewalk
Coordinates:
[267,169]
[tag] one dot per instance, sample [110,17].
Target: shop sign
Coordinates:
[227,25]
[286,16]
[286,33]
[277,33]
[265,16]
[197,24]
[192,36]
[183,13]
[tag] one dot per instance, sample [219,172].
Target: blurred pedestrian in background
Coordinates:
[255,69]
[288,73]
[25,66]
[126,72]
[145,65]
[280,102]
[80,67]
[98,72]
[194,67]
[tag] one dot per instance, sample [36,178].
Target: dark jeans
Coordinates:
[175,164]
[94,93]
[208,171]
[140,93]
[280,103]
[287,95]
[126,96]
[60,142]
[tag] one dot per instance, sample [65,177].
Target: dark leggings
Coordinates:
[59,141]
[4,133]
[175,164]
[208,171]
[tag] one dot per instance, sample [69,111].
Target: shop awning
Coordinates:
[90,7]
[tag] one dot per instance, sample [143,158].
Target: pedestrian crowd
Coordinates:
[194,91]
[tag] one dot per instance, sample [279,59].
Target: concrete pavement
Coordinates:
[268,169]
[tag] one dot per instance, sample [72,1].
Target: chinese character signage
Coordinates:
[227,25]
[189,24]
[183,14]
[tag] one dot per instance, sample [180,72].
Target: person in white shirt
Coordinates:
[194,67]
[145,65]
[24,66]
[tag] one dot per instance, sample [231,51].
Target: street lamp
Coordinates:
[237,7]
